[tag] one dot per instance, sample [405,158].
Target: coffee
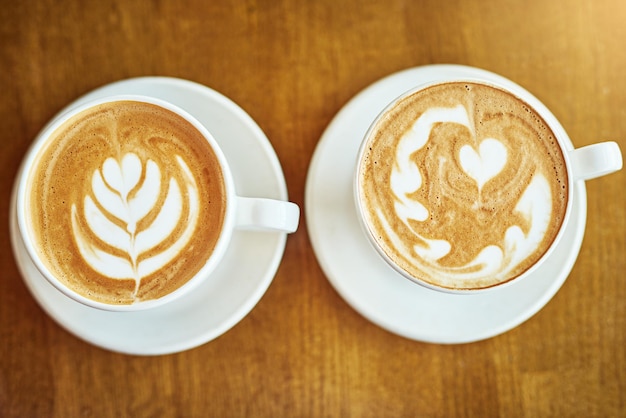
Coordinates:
[127,202]
[462,185]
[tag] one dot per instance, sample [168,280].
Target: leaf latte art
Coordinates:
[462,185]
[128,202]
[113,213]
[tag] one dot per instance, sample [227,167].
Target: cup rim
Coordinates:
[519,93]
[30,160]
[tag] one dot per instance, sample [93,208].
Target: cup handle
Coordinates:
[595,160]
[262,214]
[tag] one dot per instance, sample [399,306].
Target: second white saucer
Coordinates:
[373,288]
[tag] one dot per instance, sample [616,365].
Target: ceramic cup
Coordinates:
[150,200]
[465,185]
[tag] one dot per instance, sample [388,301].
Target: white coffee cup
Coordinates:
[581,164]
[246,213]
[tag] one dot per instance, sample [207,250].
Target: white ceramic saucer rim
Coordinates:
[411,78]
[274,243]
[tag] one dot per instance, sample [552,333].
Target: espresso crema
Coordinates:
[127,202]
[462,185]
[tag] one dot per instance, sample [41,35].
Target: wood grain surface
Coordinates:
[302,351]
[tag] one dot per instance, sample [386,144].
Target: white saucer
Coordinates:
[246,271]
[373,288]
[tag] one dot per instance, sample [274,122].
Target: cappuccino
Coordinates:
[127,202]
[462,185]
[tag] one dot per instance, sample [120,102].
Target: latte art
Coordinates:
[128,202]
[462,185]
[122,195]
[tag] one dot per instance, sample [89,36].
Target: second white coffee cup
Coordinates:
[453,197]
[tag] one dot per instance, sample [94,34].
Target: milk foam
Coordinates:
[128,202]
[485,164]
[405,176]
[470,177]
[535,203]
[124,193]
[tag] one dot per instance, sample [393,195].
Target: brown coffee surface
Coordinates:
[127,202]
[462,185]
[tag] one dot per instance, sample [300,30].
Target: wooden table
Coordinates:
[303,351]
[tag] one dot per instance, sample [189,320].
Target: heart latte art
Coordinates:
[462,185]
[127,203]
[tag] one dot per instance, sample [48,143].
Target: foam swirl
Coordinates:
[463,195]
